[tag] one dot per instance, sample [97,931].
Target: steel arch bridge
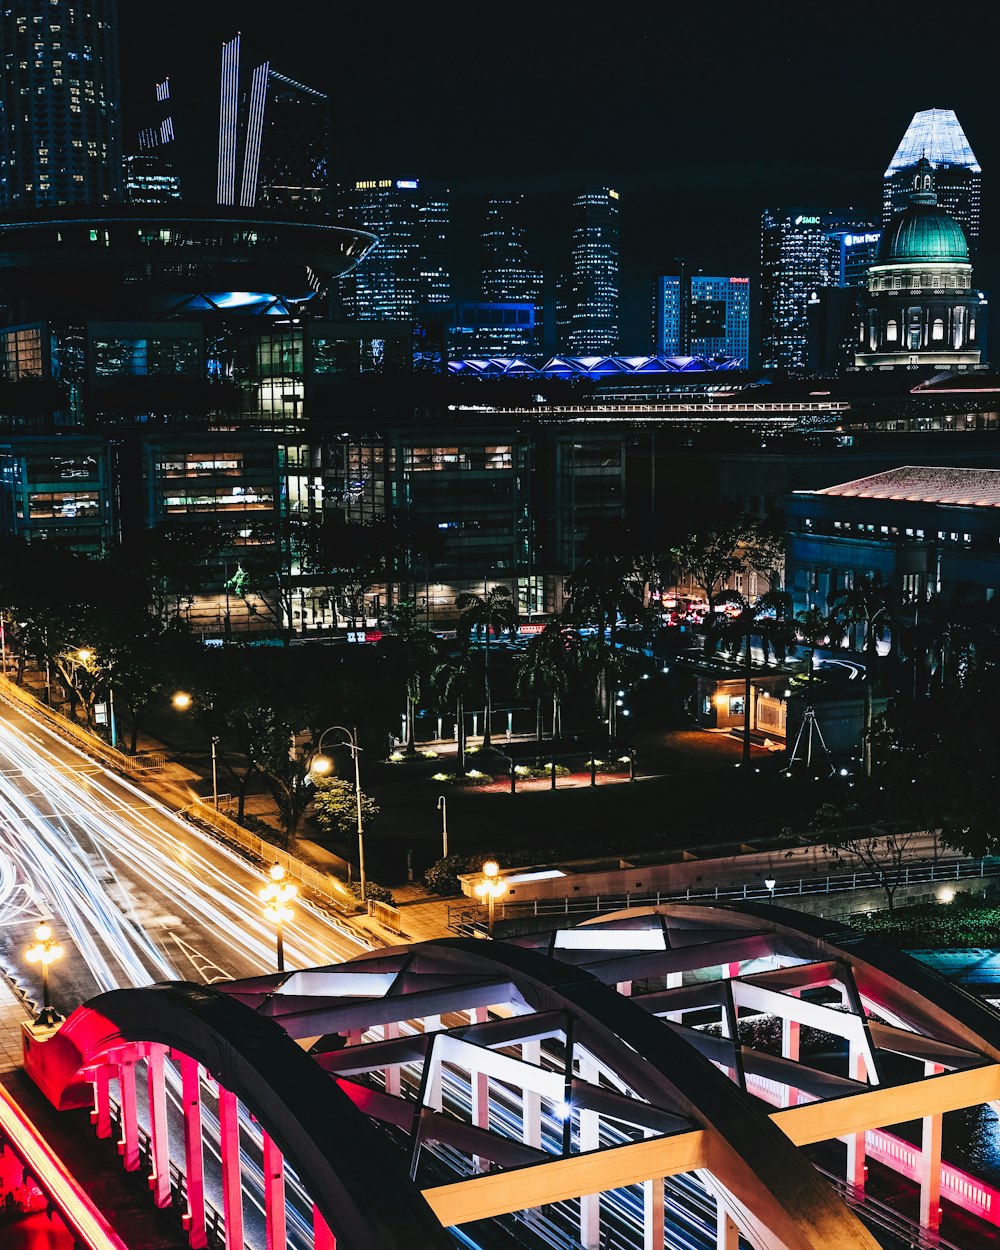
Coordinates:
[562,1085]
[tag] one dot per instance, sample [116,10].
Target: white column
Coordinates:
[930,1164]
[590,1139]
[790,1031]
[432,1097]
[128,1147]
[531,1101]
[232,1179]
[194,1163]
[856,1141]
[391,1075]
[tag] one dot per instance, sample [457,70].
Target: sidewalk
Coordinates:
[13,1013]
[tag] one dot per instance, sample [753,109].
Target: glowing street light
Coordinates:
[182,701]
[276,896]
[769,885]
[45,950]
[491,888]
[321,765]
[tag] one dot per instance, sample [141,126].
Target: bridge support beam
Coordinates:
[652,1214]
[101,1115]
[930,1163]
[727,1233]
[232,1181]
[128,1146]
[275,1231]
[323,1238]
[856,1169]
[194,1163]
[159,1142]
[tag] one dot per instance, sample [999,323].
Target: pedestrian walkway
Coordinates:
[13,1013]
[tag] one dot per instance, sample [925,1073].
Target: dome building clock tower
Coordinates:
[921,307]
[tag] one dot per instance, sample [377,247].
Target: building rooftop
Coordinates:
[970,488]
[936,134]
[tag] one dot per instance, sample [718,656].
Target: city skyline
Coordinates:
[698,135]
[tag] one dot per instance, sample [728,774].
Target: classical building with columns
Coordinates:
[922,306]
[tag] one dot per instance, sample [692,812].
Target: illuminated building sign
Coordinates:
[806,221]
[856,240]
[740,281]
[375,186]
[405,185]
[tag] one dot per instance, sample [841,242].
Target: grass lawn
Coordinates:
[967,923]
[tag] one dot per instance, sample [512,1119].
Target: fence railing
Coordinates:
[465,917]
[89,743]
[385,914]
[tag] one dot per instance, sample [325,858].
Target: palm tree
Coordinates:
[414,648]
[453,679]
[599,590]
[815,627]
[870,603]
[492,612]
[549,661]
[766,618]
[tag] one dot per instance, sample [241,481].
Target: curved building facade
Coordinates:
[922,306]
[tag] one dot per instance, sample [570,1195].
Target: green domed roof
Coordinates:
[923,232]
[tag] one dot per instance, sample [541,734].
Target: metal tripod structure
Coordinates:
[808,729]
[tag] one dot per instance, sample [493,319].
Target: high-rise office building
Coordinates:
[800,254]
[409,267]
[59,103]
[272,134]
[591,292]
[700,315]
[149,180]
[936,135]
[508,277]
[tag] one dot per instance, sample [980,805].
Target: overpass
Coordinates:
[647,1079]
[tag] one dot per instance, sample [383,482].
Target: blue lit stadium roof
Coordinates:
[589,366]
[936,134]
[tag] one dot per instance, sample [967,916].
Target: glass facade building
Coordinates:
[508,277]
[701,315]
[936,135]
[59,103]
[591,291]
[409,266]
[800,254]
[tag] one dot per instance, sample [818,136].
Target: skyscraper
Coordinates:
[800,254]
[272,134]
[591,296]
[409,267]
[508,276]
[700,315]
[59,103]
[936,135]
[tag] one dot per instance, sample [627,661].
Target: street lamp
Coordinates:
[443,809]
[276,896]
[45,950]
[182,702]
[769,885]
[322,765]
[491,888]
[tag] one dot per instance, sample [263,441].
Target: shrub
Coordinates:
[262,829]
[442,876]
[529,772]
[335,806]
[472,778]
[373,891]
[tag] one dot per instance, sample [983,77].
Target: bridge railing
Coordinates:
[466,917]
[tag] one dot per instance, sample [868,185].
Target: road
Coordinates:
[135,893]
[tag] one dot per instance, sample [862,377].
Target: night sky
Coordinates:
[700,115]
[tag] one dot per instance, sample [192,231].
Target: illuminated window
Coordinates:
[937,329]
[892,332]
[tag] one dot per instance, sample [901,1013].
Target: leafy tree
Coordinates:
[869,604]
[336,809]
[884,851]
[713,551]
[492,612]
